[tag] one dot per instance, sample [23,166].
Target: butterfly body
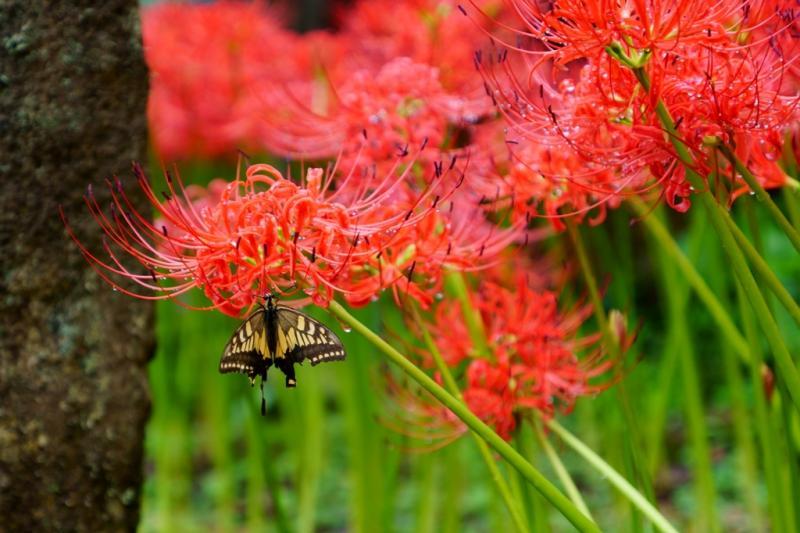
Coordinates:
[281,336]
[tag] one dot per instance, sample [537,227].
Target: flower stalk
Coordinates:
[765,273]
[613,477]
[505,450]
[788,370]
[450,384]
[761,194]
[690,274]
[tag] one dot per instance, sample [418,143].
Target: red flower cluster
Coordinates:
[228,75]
[206,62]
[375,117]
[533,360]
[263,232]
[710,64]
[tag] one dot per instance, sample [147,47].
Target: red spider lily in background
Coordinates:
[536,359]
[709,63]
[426,31]
[223,75]
[205,60]
[265,233]
[373,116]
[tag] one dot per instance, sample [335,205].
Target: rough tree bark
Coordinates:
[73,353]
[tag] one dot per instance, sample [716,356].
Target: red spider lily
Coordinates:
[205,62]
[702,61]
[533,361]
[426,31]
[224,74]
[264,233]
[535,180]
[374,116]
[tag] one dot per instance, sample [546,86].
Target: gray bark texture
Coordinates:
[73,353]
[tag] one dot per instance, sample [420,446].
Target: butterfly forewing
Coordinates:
[300,337]
[246,351]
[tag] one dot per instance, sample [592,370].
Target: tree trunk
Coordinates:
[73,353]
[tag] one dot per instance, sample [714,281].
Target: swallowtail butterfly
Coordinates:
[281,336]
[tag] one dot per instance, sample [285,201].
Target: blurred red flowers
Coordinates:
[230,76]
[536,360]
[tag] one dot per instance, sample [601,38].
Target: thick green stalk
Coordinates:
[561,471]
[632,446]
[791,197]
[537,509]
[782,413]
[705,515]
[788,371]
[514,507]
[547,489]
[744,429]
[613,477]
[458,287]
[765,428]
[690,274]
[762,195]
[768,277]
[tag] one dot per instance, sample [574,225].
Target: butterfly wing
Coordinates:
[246,351]
[300,337]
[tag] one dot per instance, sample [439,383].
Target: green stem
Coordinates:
[458,287]
[705,515]
[762,195]
[613,477]
[533,476]
[450,384]
[790,198]
[560,469]
[591,285]
[788,371]
[701,288]
[765,428]
[632,446]
[766,274]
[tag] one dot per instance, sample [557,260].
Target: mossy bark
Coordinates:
[73,353]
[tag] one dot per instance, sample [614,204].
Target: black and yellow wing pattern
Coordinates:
[246,351]
[279,335]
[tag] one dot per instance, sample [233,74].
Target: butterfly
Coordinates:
[281,336]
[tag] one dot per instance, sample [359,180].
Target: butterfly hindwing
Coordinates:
[246,351]
[303,337]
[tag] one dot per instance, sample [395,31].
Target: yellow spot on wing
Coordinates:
[248,328]
[281,350]
[301,322]
[260,339]
[310,328]
[292,338]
